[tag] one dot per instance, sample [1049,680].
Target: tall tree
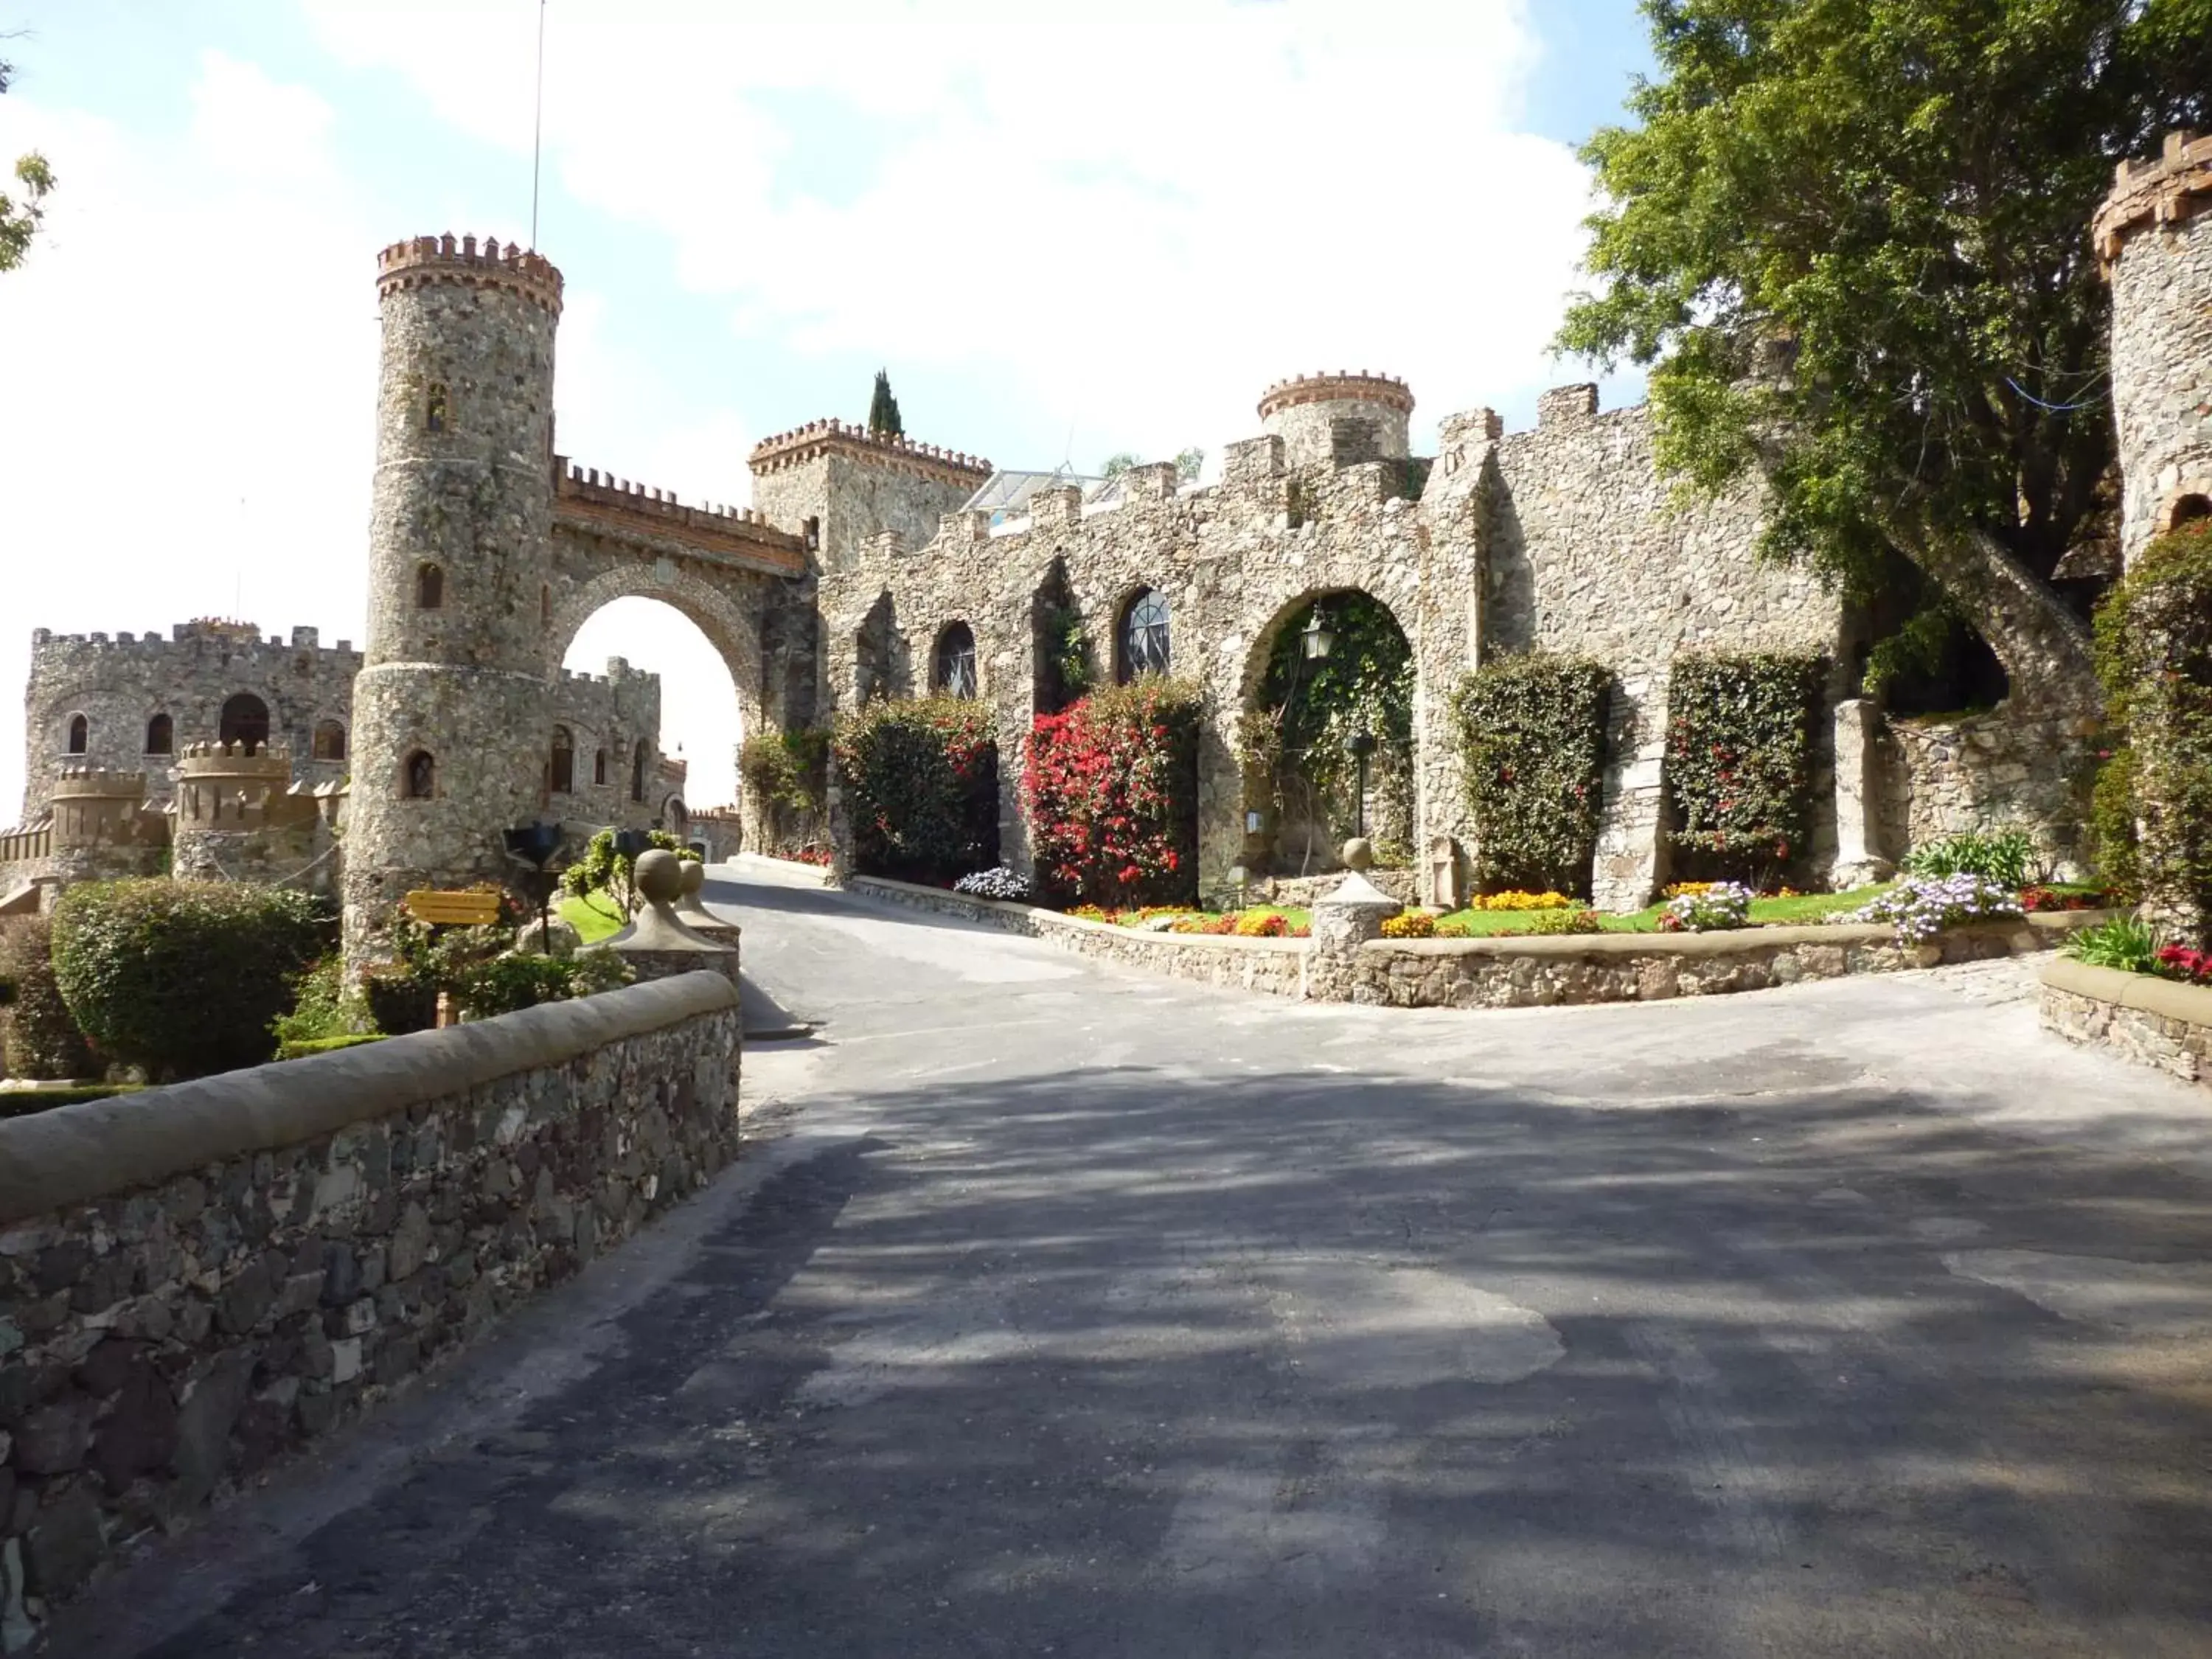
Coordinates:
[20,219]
[1851,238]
[883,410]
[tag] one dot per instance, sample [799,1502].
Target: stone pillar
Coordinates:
[1343,920]
[657,944]
[1632,836]
[1859,857]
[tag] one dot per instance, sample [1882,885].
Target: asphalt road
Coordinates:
[1077,1313]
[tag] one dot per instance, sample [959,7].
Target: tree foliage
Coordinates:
[22,213]
[883,410]
[1850,236]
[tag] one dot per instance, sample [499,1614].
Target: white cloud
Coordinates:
[1136,217]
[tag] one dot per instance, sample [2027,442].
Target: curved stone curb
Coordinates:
[73,1154]
[2141,1018]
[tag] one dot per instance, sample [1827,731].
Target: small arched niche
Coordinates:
[418,776]
[161,736]
[561,769]
[330,741]
[79,734]
[429,586]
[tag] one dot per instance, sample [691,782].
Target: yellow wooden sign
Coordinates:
[466,908]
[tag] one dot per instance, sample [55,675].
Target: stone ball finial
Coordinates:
[694,875]
[660,875]
[1358,853]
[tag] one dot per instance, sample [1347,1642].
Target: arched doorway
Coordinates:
[700,710]
[1326,737]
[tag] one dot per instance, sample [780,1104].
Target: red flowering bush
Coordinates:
[1739,769]
[1111,791]
[921,778]
[2042,899]
[2180,962]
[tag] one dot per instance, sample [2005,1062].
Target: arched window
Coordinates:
[429,586]
[245,719]
[418,778]
[952,671]
[2189,509]
[1145,636]
[80,736]
[330,740]
[434,407]
[161,736]
[637,760]
[564,761]
[676,815]
[599,767]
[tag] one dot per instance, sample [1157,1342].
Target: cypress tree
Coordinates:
[883,409]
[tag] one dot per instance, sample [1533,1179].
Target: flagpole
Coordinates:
[537,125]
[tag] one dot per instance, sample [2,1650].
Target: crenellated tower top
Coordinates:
[1343,386]
[1338,420]
[2176,185]
[422,260]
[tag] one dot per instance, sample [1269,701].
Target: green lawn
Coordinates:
[594,919]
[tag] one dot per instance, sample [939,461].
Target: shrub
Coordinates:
[921,781]
[2126,943]
[300,1048]
[322,1008]
[1555,921]
[1111,790]
[1409,924]
[996,884]
[1740,761]
[21,1102]
[505,983]
[2112,821]
[1920,907]
[1532,736]
[2001,855]
[604,867]
[785,773]
[37,1033]
[182,978]
[1713,907]
[2155,654]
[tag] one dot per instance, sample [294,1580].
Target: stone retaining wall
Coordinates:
[1500,973]
[2153,1022]
[193,1280]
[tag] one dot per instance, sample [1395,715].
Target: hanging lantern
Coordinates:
[1318,637]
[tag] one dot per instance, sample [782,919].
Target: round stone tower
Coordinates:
[1338,419]
[451,706]
[2154,236]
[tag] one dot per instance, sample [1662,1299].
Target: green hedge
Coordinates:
[1740,762]
[1532,740]
[785,774]
[21,1102]
[184,978]
[2155,654]
[920,785]
[37,1034]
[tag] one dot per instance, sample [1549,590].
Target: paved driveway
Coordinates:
[1077,1313]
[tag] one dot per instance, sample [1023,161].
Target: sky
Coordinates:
[1067,230]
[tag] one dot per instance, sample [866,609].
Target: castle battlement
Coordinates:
[235,760]
[206,630]
[1344,385]
[818,438]
[75,782]
[421,261]
[2175,186]
[581,496]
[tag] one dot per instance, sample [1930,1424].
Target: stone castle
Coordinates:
[873,566]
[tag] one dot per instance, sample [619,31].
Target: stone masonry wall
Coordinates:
[1564,538]
[196,1279]
[1990,771]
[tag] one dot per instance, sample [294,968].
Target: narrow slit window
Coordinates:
[434,414]
[429,587]
[418,779]
[79,734]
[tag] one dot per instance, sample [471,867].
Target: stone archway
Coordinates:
[731,627]
[1296,712]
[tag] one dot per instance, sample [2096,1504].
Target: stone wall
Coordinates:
[1990,771]
[198,1278]
[1564,538]
[2152,1021]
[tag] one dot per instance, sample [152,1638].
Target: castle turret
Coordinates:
[450,708]
[1340,419]
[2154,236]
[837,485]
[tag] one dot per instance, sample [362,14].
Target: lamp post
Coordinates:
[1361,743]
[535,844]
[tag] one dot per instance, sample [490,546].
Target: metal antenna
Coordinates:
[537,125]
